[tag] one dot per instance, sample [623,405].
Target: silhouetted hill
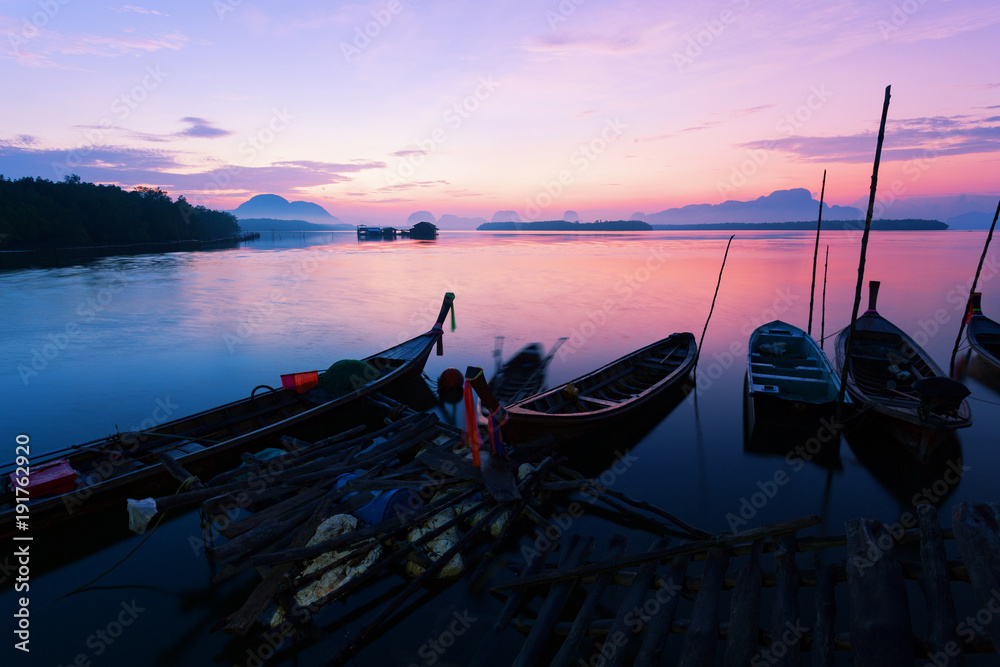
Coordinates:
[420,216]
[276,206]
[505,216]
[273,224]
[828,225]
[779,206]
[566,226]
[972,220]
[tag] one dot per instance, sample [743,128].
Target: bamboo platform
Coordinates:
[745,599]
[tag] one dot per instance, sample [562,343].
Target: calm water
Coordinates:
[122,341]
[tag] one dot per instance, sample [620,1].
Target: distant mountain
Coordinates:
[506,216]
[810,225]
[420,216]
[973,220]
[275,225]
[779,206]
[566,226]
[275,206]
[943,207]
[449,221]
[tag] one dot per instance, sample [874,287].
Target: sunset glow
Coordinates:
[378,109]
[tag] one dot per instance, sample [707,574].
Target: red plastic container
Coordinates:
[300,382]
[56,477]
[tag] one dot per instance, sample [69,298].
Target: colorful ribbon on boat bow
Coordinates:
[471,423]
[496,439]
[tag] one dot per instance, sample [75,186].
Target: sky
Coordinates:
[375,110]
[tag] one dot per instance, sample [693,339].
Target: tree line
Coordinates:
[35,212]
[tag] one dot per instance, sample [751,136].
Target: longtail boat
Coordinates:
[523,374]
[983,333]
[94,475]
[790,380]
[889,374]
[607,397]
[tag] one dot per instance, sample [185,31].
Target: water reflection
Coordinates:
[909,481]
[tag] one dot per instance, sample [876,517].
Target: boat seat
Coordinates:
[599,401]
[766,376]
[787,371]
[189,447]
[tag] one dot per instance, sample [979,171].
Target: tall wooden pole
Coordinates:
[975,280]
[861,263]
[822,322]
[812,288]
[710,310]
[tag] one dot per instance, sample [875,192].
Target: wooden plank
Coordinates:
[824,634]
[658,627]
[977,532]
[880,613]
[570,651]
[517,596]
[663,555]
[630,616]
[577,551]
[942,637]
[703,633]
[744,611]
[786,624]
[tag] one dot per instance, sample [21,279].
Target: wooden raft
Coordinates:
[744,599]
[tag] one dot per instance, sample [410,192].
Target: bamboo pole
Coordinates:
[819,224]
[861,263]
[714,297]
[975,281]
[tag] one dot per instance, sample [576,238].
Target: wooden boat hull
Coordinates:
[983,335]
[125,464]
[884,369]
[607,397]
[790,381]
[521,376]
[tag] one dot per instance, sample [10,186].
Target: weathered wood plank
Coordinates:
[881,633]
[942,637]
[744,611]
[703,632]
[824,635]
[630,615]
[571,651]
[577,551]
[977,532]
[786,623]
[658,628]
